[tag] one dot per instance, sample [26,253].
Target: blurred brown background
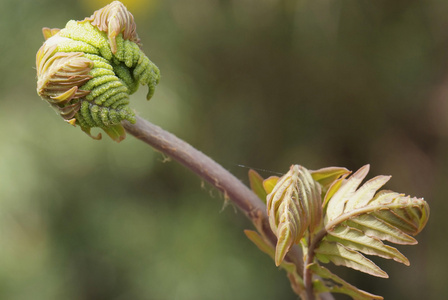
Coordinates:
[264,83]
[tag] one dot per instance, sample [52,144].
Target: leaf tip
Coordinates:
[284,243]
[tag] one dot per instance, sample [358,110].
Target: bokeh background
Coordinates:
[261,83]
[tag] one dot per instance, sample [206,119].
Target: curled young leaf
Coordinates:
[294,207]
[88,75]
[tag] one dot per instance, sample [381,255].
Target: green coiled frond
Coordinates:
[88,69]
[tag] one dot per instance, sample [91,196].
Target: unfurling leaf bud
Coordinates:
[294,208]
[115,19]
[88,69]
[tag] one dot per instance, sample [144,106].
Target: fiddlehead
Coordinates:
[88,69]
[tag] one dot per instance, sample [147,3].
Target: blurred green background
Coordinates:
[263,83]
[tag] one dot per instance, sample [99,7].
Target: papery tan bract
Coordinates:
[49,32]
[60,74]
[115,19]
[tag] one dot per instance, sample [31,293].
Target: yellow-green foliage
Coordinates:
[88,69]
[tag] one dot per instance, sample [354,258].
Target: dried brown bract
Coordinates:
[115,19]
[60,74]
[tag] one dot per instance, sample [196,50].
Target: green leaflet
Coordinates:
[326,176]
[338,285]
[410,215]
[256,184]
[88,69]
[377,228]
[343,256]
[269,183]
[330,179]
[355,239]
[294,208]
[358,219]
[403,212]
[339,200]
[332,189]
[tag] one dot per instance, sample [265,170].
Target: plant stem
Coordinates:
[206,168]
[212,172]
[307,274]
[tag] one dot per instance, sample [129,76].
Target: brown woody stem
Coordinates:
[215,174]
[210,171]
